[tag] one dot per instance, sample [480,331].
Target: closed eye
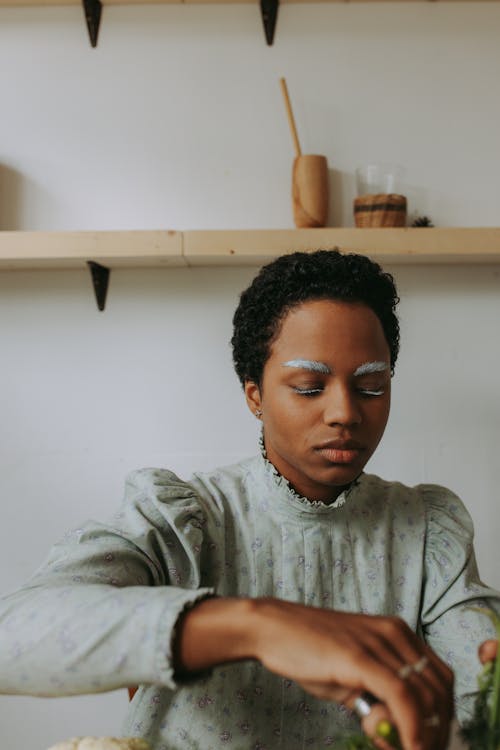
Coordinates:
[307,391]
[369,392]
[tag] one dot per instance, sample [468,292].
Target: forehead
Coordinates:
[331,332]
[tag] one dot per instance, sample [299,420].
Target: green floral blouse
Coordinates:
[101,612]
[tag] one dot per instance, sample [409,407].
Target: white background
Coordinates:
[176,121]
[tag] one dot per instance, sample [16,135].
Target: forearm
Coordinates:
[332,655]
[215,631]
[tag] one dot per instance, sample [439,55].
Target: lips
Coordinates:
[340,451]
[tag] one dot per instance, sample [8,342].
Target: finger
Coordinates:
[387,736]
[430,681]
[442,679]
[439,731]
[436,689]
[409,649]
[372,722]
[434,721]
[401,701]
[440,672]
[487,651]
[433,682]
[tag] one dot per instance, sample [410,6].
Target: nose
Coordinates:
[341,406]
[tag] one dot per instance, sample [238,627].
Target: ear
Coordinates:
[252,395]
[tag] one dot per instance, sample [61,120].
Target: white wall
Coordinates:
[176,120]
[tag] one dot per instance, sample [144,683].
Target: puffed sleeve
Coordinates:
[452,590]
[101,612]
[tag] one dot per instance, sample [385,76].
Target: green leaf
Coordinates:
[482,731]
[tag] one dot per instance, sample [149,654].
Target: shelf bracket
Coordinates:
[92,10]
[100,280]
[269,11]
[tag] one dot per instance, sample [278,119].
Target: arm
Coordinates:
[101,611]
[332,655]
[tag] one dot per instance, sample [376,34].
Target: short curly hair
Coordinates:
[300,277]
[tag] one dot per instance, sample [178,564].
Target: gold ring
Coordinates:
[420,665]
[405,671]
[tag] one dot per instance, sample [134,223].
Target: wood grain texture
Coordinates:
[233,247]
[310,191]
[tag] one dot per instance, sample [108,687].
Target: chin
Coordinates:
[340,475]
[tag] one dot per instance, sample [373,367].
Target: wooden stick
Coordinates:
[291,120]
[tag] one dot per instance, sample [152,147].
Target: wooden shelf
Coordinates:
[134,249]
[160,249]
[408,245]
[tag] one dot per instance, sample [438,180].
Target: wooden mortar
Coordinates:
[310,190]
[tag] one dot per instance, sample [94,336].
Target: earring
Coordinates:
[258,413]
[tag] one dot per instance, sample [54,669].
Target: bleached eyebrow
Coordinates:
[308,364]
[368,367]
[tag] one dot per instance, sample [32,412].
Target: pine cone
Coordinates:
[422,221]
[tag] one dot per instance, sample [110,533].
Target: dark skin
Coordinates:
[316,408]
[320,429]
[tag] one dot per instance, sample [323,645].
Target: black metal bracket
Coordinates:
[269,10]
[92,10]
[100,280]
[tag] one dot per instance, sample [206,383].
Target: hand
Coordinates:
[333,655]
[337,655]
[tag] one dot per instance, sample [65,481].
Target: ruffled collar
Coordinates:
[300,501]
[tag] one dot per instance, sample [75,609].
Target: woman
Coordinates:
[258,604]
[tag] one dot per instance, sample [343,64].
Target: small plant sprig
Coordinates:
[482,730]
[384,729]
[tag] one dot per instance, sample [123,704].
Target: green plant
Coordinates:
[361,742]
[482,730]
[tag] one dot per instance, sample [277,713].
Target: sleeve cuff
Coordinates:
[167,632]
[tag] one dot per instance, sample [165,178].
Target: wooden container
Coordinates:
[310,190]
[380,210]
